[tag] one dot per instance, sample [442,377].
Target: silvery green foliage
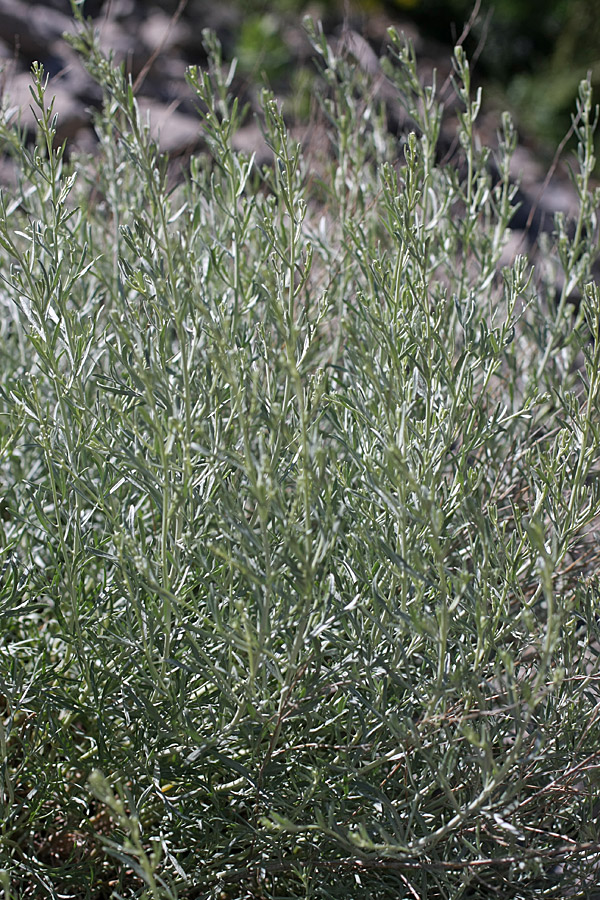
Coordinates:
[300,494]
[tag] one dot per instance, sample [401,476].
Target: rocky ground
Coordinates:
[158,41]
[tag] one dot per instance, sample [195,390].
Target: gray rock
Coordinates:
[72,114]
[174,131]
[32,29]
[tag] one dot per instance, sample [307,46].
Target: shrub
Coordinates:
[300,490]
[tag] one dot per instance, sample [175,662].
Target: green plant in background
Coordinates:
[261,48]
[518,36]
[533,55]
[545,95]
[301,485]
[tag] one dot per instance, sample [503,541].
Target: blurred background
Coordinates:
[529,55]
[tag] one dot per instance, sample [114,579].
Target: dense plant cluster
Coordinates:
[299,495]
